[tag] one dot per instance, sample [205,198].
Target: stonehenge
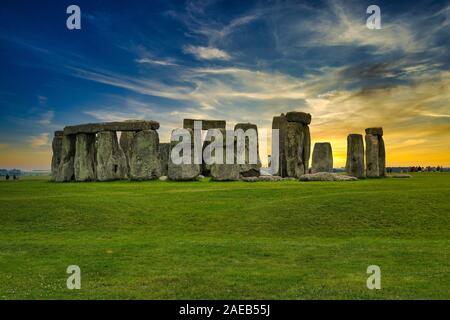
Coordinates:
[57,151]
[126,140]
[93,152]
[226,171]
[295,143]
[322,158]
[355,156]
[111,160]
[375,153]
[145,162]
[249,168]
[164,156]
[183,171]
[65,171]
[84,163]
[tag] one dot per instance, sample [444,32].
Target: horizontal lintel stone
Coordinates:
[206,124]
[135,125]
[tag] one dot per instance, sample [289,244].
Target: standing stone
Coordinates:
[164,155]
[375,153]
[145,163]
[183,172]
[225,171]
[280,123]
[66,171]
[355,156]
[111,161]
[381,157]
[372,156]
[322,158]
[126,141]
[293,148]
[85,157]
[248,169]
[57,153]
[306,146]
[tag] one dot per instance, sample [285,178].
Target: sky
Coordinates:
[240,61]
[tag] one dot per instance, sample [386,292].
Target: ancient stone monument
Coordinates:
[280,123]
[145,163]
[164,155]
[111,160]
[322,157]
[226,171]
[248,169]
[183,171]
[375,153]
[85,157]
[206,125]
[355,156]
[126,140]
[295,143]
[91,151]
[65,170]
[57,150]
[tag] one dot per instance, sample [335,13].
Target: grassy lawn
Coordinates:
[218,240]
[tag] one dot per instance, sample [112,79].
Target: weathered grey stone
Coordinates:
[248,169]
[129,125]
[326,176]
[355,156]
[126,143]
[66,171]
[322,159]
[206,124]
[306,147]
[84,163]
[183,172]
[164,155]
[226,172]
[375,131]
[145,163]
[280,123]
[293,147]
[381,157]
[111,160]
[301,117]
[263,179]
[372,156]
[57,151]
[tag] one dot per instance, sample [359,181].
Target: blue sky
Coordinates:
[233,60]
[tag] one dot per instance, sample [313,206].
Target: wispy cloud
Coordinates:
[207,53]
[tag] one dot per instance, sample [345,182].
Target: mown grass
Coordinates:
[219,240]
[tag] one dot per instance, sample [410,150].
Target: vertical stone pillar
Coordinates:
[145,163]
[297,143]
[183,171]
[248,169]
[57,153]
[226,171]
[126,141]
[322,158]
[375,153]
[280,123]
[164,155]
[355,156]
[293,149]
[85,157]
[111,160]
[66,170]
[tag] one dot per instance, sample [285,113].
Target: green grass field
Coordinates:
[218,240]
